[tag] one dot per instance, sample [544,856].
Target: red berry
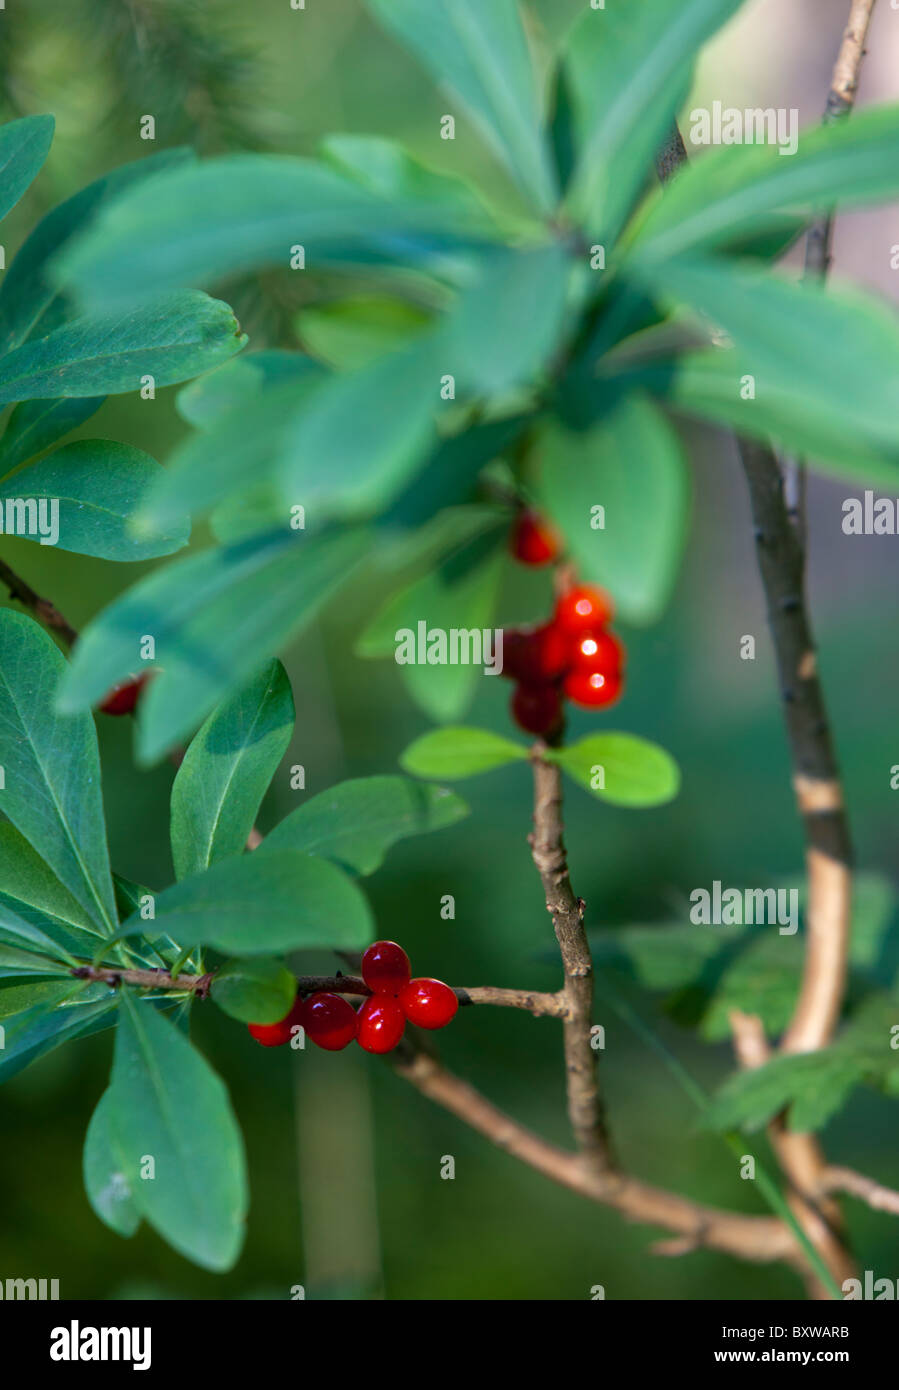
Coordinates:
[277,1034]
[597,651]
[328,1020]
[536,708]
[429,1003]
[385,967]
[593,689]
[123,697]
[537,655]
[381,1023]
[584,608]
[533,541]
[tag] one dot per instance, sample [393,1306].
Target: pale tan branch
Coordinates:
[834,1179]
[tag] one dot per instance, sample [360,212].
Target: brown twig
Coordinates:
[585,1108]
[758,1238]
[881,1198]
[198,985]
[42,608]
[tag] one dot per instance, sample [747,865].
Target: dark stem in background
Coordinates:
[42,608]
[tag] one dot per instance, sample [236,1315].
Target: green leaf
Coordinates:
[29,296]
[169,337]
[740,191]
[30,889]
[386,169]
[812,1086]
[263,904]
[663,956]
[460,752]
[822,360]
[354,332]
[632,465]
[261,990]
[259,592]
[477,50]
[24,146]
[356,822]
[107,1188]
[355,443]
[166,1103]
[509,319]
[99,486]
[68,1010]
[236,383]
[52,782]
[629,67]
[194,225]
[226,771]
[620,768]
[15,963]
[19,933]
[34,425]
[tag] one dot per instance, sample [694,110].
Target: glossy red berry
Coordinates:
[597,651]
[536,656]
[385,967]
[536,708]
[123,697]
[584,608]
[328,1020]
[277,1034]
[593,689]
[429,1003]
[533,541]
[381,1022]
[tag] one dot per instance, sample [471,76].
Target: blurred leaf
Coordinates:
[356,822]
[813,1086]
[52,768]
[107,1188]
[70,1009]
[99,486]
[29,298]
[170,337]
[561,127]
[356,331]
[263,904]
[509,318]
[34,425]
[194,225]
[166,1102]
[236,383]
[663,956]
[259,593]
[261,990]
[821,360]
[629,67]
[442,535]
[740,191]
[24,146]
[478,50]
[227,769]
[632,465]
[460,752]
[620,768]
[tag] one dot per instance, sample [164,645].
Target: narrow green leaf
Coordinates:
[226,771]
[34,425]
[167,1104]
[107,1188]
[52,783]
[24,146]
[169,337]
[739,191]
[29,297]
[69,1010]
[632,465]
[460,752]
[236,383]
[100,487]
[192,226]
[620,768]
[509,319]
[478,50]
[629,67]
[263,904]
[30,890]
[259,592]
[356,822]
[261,990]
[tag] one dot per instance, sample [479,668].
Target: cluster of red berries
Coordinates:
[332,1023]
[573,655]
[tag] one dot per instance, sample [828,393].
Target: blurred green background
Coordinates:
[345,1159]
